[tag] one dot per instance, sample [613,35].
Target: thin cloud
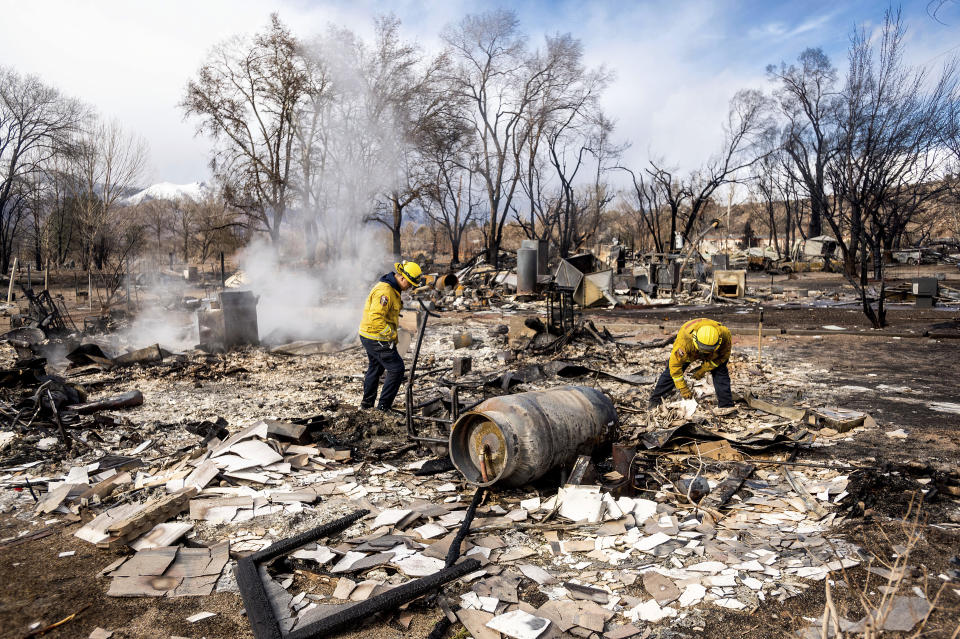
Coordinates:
[781,30]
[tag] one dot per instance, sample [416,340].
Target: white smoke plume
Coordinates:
[160,320]
[299,302]
[351,151]
[313,286]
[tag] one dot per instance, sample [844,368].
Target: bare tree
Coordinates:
[109,163]
[808,101]
[647,210]
[673,192]
[36,124]
[765,177]
[560,126]
[449,197]
[499,81]
[748,123]
[218,228]
[579,208]
[246,97]
[63,209]
[184,225]
[121,246]
[409,99]
[156,216]
[889,159]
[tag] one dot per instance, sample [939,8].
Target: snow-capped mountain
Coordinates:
[169,191]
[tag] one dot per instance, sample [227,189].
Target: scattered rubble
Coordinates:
[633,522]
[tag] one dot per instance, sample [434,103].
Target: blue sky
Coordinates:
[676,63]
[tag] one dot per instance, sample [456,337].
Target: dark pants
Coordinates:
[721,384]
[382,356]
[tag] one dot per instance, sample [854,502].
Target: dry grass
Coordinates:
[876,612]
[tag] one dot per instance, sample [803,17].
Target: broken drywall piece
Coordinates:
[322,555]
[519,624]
[692,595]
[581,503]
[200,616]
[347,561]
[344,588]
[475,621]
[419,565]
[151,562]
[256,430]
[708,566]
[537,574]
[651,611]
[389,517]
[430,531]
[623,632]
[530,505]
[661,588]
[905,613]
[651,542]
[52,500]
[641,509]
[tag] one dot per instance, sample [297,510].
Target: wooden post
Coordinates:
[90,288]
[760,339]
[46,277]
[13,269]
[223,273]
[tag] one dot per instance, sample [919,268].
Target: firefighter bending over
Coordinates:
[702,340]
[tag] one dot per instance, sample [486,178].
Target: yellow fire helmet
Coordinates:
[707,338]
[410,271]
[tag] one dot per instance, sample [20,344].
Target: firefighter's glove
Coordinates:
[686,393]
[700,373]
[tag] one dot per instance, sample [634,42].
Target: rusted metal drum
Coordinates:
[515,439]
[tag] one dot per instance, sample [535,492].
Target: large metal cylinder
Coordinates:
[526,271]
[239,318]
[515,439]
[543,255]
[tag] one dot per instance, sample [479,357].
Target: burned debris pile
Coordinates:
[655,520]
[523,488]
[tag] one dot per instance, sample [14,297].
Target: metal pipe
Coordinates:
[527,434]
[411,375]
[455,402]
[446,281]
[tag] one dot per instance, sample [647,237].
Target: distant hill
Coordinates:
[168,191]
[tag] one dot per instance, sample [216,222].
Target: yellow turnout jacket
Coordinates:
[685,350]
[381,312]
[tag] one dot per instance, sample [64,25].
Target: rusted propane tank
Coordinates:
[514,439]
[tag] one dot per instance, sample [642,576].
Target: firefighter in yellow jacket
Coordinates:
[702,340]
[378,334]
